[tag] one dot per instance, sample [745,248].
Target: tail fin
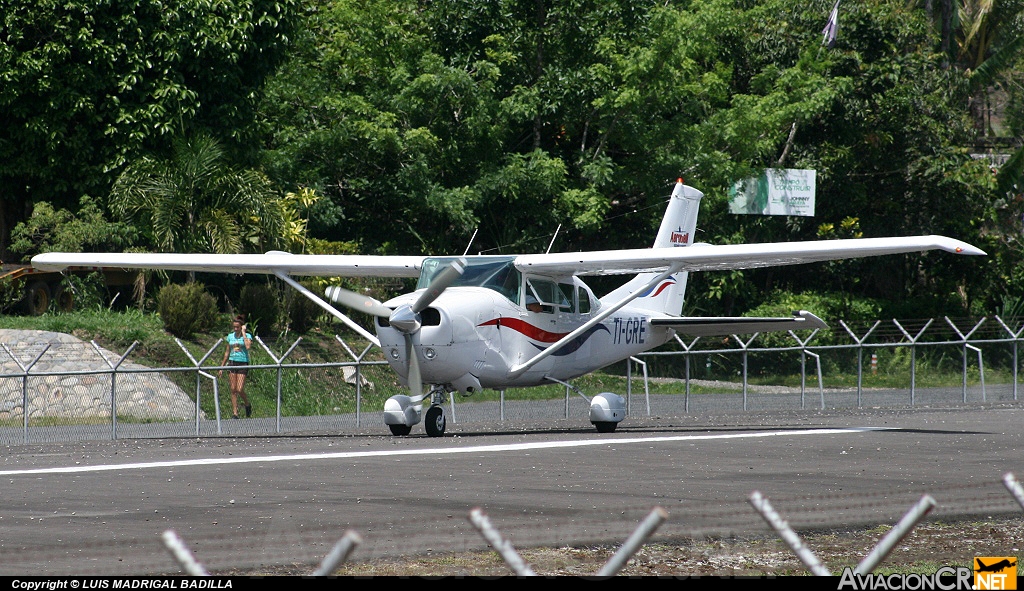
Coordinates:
[677,230]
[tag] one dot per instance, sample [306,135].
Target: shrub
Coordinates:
[186,309]
[303,314]
[260,305]
[80,292]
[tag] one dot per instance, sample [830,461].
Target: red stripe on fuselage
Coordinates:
[537,334]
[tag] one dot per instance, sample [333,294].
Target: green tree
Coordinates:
[49,229]
[194,202]
[87,86]
[515,116]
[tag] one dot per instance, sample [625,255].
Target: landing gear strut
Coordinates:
[607,409]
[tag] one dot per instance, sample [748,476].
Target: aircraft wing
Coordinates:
[706,257]
[270,263]
[716,327]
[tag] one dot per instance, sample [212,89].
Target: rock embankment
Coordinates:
[66,389]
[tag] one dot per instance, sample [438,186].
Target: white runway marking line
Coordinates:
[434,451]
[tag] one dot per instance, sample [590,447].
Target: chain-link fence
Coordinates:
[57,388]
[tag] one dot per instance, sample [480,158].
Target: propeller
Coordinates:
[356,301]
[405,318]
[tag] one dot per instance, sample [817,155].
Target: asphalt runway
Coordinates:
[252,504]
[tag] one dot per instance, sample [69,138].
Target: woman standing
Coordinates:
[236,355]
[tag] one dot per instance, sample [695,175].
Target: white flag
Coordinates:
[831,27]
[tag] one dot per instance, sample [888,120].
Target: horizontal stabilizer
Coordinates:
[715,327]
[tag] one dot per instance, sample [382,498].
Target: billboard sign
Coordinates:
[778,191]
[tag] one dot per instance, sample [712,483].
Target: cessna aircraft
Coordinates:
[501,322]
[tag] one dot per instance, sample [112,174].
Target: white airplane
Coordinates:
[501,322]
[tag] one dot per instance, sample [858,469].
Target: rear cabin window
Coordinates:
[584,301]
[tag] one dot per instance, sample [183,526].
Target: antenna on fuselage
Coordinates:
[552,243]
[471,239]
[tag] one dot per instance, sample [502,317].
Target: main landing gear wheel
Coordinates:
[605,426]
[434,423]
[400,429]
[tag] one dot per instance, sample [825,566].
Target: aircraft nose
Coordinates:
[405,320]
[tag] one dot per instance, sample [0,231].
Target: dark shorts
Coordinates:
[238,367]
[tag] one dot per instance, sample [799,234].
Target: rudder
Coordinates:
[677,230]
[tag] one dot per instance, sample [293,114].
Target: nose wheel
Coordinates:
[434,422]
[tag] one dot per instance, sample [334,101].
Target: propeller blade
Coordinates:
[415,380]
[446,277]
[356,301]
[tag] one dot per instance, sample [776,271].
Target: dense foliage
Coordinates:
[87,86]
[418,125]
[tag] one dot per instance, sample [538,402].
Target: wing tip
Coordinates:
[958,246]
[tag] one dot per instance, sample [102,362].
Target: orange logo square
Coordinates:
[995,572]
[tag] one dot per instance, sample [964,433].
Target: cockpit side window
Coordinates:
[550,295]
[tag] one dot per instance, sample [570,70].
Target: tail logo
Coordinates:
[679,237]
[656,290]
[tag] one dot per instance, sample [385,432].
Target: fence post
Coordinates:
[744,347]
[1010,481]
[339,553]
[113,383]
[686,357]
[913,353]
[860,357]
[1015,336]
[359,380]
[647,527]
[198,364]
[647,388]
[24,385]
[963,339]
[806,556]
[502,546]
[176,546]
[803,367]
[897,533]
[278,362]
[359,383]
[629,386]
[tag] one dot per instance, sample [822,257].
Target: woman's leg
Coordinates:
[241,388]
[233,378]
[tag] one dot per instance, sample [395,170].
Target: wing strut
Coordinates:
[330,309]
[518,370]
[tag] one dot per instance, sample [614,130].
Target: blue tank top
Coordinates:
[238,350]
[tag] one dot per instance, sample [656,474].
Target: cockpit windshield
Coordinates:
[493,272]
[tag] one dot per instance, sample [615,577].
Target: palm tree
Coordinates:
[987,48]
[194,202]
